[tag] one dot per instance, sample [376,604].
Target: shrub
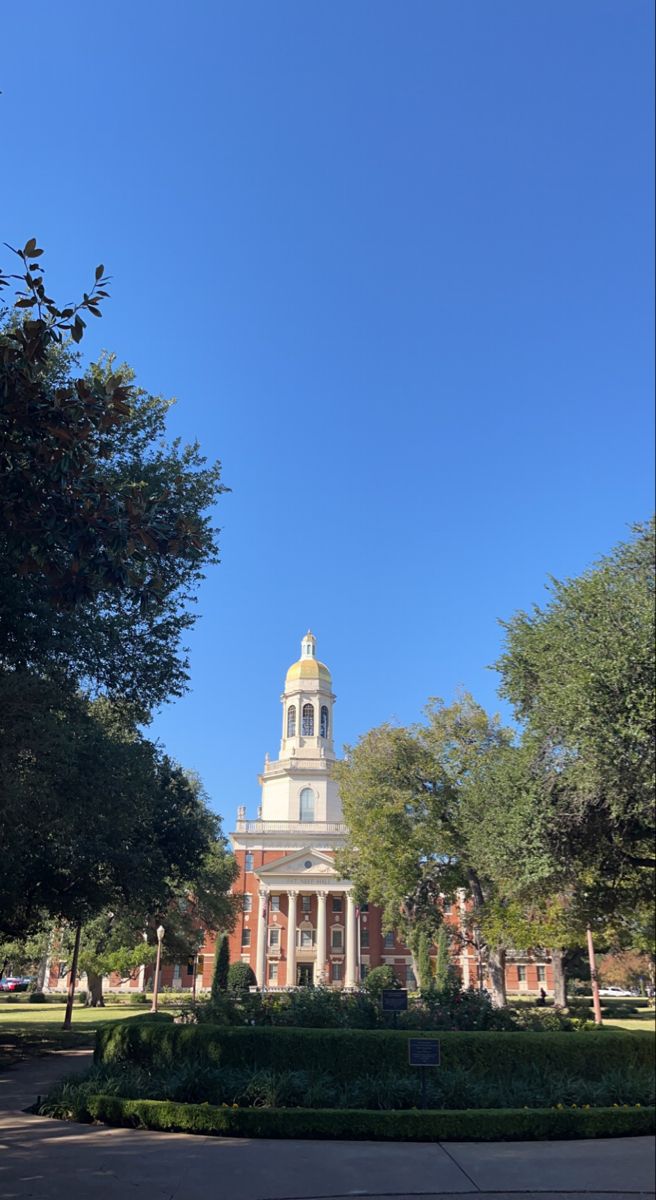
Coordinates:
[82,997]
[350,1054]
[487,1125]
[380,978]
[37,998]
[221,969]
[240,977]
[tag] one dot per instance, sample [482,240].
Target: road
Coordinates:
[50,1160]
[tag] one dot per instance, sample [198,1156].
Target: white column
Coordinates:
[260,961]
[350,980]
[291,939]
[321,937]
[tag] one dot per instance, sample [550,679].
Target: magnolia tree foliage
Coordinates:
[104,535]
[106,528]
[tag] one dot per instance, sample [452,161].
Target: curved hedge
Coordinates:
[353,1052]
[482,1125]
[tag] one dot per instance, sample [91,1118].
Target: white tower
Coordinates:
[297,787]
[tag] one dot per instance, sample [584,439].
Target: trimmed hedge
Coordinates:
[350,1053]
[482,1125]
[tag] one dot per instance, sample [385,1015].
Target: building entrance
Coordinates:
[305,974]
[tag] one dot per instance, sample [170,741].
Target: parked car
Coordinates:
[615,991]
[14,983]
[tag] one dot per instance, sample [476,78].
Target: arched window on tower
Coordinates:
[308,721]
[324,721]
[306,809]
[291,721]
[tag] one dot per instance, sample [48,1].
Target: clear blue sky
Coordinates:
[395,261]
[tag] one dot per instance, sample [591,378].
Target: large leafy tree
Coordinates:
[105,527]
[94,816]
[580,673]
[406,793]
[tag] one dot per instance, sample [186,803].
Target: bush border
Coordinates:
[461,1125]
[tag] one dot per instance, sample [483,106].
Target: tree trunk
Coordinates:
[95,992]
[560,978]
[496,965]
[68,1016]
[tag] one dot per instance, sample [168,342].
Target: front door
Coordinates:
[304,974]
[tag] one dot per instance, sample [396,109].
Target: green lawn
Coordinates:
[36,1028]
[641,1020]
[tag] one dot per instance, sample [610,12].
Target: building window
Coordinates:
[274,936]
[306,904]
[176,970]
[337,939]
[307,805]
[521,974]
[190,966]
[364,908]
[324,721]
[306,939]
[291,721]
[246,903]
[364,968]
[275,904]
[542,974]
[447,908]
[364,939]
[273,972]
[245,938]
[308,720]
[248,861]
[337,904]
[336,972]
[389,941]
[200,964]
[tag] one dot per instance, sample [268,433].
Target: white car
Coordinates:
[614,991]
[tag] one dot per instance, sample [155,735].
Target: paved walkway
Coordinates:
[50,1160]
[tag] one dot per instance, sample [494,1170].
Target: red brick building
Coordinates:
[299,922]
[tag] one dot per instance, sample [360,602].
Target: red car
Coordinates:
[14,984]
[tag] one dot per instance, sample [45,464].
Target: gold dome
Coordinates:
[308,668]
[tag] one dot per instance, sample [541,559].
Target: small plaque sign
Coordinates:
[423,1052]
[394,1000]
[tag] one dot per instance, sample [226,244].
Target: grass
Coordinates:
[28,1029]
[645,1021]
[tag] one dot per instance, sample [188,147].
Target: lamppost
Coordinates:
[160,936]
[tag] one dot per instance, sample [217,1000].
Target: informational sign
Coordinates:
[394,1000]
[423,1052]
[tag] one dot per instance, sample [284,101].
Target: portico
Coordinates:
[306,923]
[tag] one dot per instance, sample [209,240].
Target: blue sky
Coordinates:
[395,262]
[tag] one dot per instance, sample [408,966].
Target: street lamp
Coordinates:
[160,936]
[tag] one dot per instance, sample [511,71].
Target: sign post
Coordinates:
[394,1000]
[423,1052]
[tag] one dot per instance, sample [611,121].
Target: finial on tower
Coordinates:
[309,645]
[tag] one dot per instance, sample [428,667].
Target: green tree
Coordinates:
[580,673]
[405,794]
[221,968]
[105,528]
[442,961]
[425,981]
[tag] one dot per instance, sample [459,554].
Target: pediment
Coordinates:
[307,862]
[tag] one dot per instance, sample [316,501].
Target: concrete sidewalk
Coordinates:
[54,1159]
